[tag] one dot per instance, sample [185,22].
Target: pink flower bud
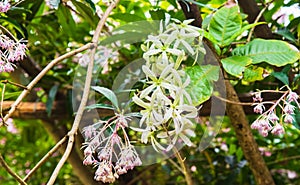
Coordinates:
[292,97]
[259,108]
[277,130]
[288,118]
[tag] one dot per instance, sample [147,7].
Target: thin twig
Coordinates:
[8,32]
[257,19]
[85,96]
[13,83]
[45,158]
[233,102]
[10,171]
[284,160]
[182,164]
[40,75]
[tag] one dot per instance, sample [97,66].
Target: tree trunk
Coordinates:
[240,123]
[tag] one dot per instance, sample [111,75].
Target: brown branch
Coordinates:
[85,95]
[25,92]
[37,110]
[84,173]
[252,10]
[284,160]
[45,158]
[10,171]
[233,102]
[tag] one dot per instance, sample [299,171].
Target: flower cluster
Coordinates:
[167,107]
[4,6]
[268,120]
[10,51]
[105,149]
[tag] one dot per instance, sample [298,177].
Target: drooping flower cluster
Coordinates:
[268,120]
[167,107]
[10,52]
[4,6]
[105,149]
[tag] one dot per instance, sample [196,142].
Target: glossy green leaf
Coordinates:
[92,5]
[66,20]
[236,65]
[253,73]
[157,14]
[287,34]
[244,28]
[201,85]
[282,77]
[9,95]
[224,24]
[12,23]
[127,17]
[51,98]
[109,94]
[87,13]
[133,32]
[100,106]
[274,52]
[296,121]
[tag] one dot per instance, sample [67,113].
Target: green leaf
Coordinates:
[253,73]
[109,94]
[232,149]
[127,37]
[157,14]
[51,98]
[201,85]
[87,13]
[9,95]
[100,106]
[282,77]
[13,23]
[239,154]
[92,5]
[297,119]
[244,28]
[236,65]
[133,32]
[287,34]
[224,24]
[274,52]
[127,17]
[66,20]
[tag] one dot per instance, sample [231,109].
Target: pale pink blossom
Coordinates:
[278,129]
[4,6]
[259,108]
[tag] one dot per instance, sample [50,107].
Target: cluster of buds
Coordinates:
[10,52]
[268,120]
[167,108]
[4,6]
[105,149]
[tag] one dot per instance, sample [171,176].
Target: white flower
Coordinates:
[160,48]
